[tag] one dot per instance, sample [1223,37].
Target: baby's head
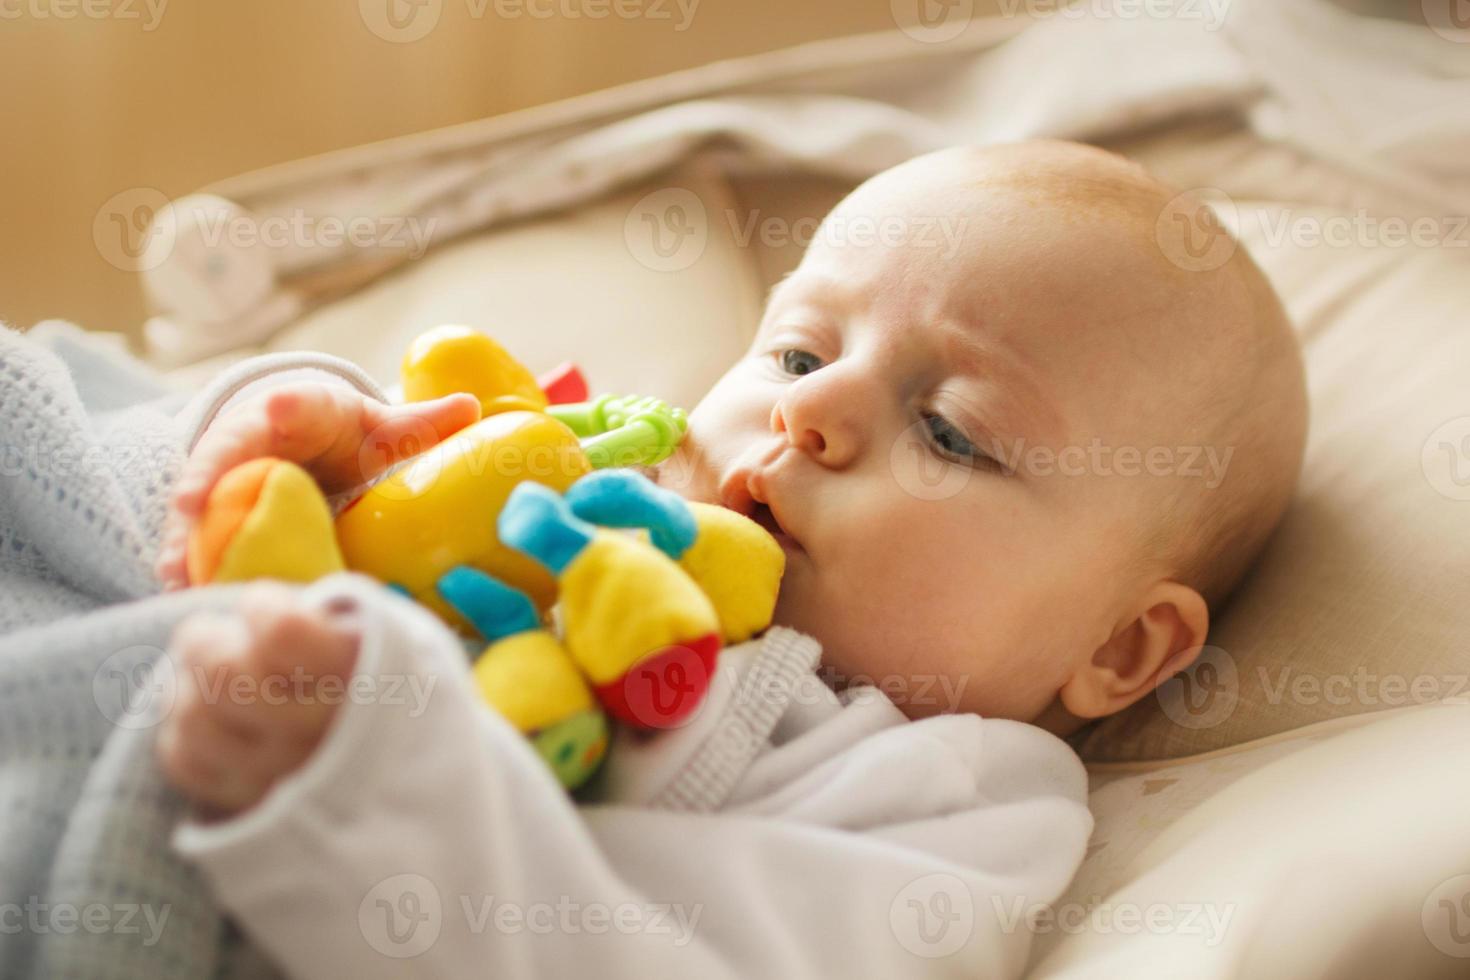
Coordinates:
[1016,453]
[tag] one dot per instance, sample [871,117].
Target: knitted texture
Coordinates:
[704,784]
[82,496]
[86,870]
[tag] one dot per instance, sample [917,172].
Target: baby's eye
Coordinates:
[949,439]
[951,442]
[798,362]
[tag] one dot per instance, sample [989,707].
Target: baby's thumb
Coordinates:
[401,431]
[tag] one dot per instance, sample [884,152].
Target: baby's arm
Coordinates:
[425,828]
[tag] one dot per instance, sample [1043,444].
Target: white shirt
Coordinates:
[785,831]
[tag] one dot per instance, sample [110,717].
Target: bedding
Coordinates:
[85,860]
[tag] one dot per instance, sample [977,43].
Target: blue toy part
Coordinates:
[538,522]
[495,609]
[627,498]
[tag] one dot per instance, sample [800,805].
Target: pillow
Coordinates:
[1286,858]
[646,290]
[1359,602]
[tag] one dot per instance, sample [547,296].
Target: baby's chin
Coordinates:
[797,608]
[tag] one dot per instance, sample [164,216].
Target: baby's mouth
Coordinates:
[766,518]
[746,493]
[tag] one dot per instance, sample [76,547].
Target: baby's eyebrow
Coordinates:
[1012,379]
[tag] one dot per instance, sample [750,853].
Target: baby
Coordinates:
[987,467]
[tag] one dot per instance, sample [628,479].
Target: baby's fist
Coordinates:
[251,706]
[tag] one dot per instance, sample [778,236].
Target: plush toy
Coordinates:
[522,510]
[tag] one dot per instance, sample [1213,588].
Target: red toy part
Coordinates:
[564,384]
[662,690]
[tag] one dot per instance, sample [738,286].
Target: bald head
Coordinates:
[1180,340]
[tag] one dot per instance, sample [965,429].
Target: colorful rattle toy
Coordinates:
[525,509]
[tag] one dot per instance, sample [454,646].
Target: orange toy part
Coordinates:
[230,502]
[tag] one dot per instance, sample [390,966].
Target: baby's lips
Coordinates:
[735,492]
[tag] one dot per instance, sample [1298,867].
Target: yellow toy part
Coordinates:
[264,519]
[738,565]
[623,600]
[531,681]
[451,359]
[438,510]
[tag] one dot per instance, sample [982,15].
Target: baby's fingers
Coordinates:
[208,754]
[297,423]
[392,433]
[300,658]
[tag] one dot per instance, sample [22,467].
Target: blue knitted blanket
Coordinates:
[89,886]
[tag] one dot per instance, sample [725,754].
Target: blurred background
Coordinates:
[107,95]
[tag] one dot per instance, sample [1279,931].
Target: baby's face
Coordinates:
[892,420]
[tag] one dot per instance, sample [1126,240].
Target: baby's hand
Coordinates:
[325,428]
[250,705]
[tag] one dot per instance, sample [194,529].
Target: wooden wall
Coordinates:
[101,96]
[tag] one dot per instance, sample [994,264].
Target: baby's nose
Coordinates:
[826,421]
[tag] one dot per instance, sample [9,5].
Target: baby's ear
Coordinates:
[1162,638]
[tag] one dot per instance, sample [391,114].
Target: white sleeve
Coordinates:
[256,374]
[426,830]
